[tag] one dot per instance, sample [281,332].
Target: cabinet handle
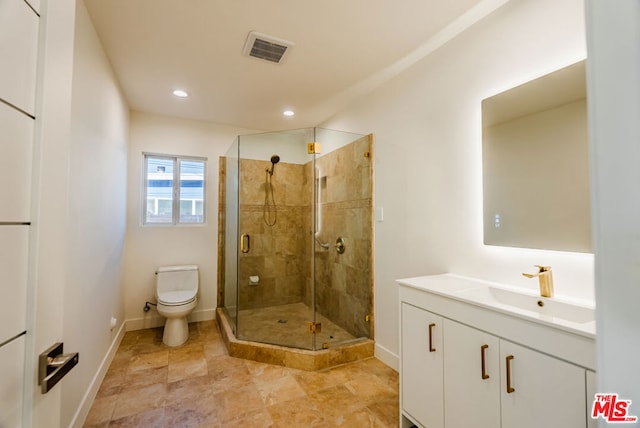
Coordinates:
[431,348]
[483,349]
[510,389]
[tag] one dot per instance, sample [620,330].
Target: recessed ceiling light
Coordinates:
[288,113]
[180,93]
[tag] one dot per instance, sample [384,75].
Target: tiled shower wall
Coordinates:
[281,255]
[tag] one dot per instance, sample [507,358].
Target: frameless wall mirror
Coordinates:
[535,158]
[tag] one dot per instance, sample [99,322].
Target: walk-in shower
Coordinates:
[296,239]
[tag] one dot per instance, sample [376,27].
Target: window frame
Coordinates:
[175,193]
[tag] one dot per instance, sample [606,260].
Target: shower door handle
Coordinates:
[245,243]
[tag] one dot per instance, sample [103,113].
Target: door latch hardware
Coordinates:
[53,365]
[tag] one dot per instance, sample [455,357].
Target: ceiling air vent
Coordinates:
[266,47]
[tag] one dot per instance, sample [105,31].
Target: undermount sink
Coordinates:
[518,301]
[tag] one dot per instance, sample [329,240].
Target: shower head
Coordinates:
[274,160]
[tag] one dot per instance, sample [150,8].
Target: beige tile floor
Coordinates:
[199,385]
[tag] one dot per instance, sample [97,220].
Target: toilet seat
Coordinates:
[176,298]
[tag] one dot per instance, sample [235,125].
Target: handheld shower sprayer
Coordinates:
[274,160]
[269,212]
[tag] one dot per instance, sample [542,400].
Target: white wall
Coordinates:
[96,214]
[148,247]
[428,177]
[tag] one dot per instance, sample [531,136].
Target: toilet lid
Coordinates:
[179,297]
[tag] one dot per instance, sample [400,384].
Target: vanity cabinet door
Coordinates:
[422,371]
[539,390]
[472,373]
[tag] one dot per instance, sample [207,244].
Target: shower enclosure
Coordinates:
[296,238]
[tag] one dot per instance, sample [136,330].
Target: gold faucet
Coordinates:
[546,280]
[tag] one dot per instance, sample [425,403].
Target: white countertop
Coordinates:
[477,292]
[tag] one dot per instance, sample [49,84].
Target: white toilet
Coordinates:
[176,293]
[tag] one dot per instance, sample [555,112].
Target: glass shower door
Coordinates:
[275,235]
[344,237]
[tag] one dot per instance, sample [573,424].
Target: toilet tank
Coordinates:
[177,278]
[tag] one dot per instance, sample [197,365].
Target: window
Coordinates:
[174,190]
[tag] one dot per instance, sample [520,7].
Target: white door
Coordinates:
[472,373]
[539,390]
[421,359]
[19,52]
[13,306]
[48,262]
[36,47]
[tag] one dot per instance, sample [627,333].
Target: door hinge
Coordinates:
[314,148]
[314,327]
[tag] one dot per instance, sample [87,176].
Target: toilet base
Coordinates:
[176,331]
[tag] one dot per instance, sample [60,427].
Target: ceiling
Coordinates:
[156,46]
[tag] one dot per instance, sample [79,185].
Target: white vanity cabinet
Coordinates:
[463,366]
[422,350]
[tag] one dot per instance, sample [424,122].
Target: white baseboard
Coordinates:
[387,357]
[87,401]
[153,320]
